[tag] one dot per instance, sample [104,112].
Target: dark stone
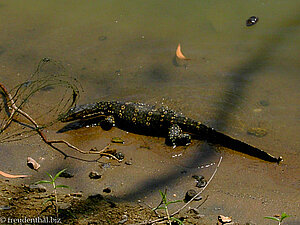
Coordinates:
[251,21]
[119,155]
[201,183]
[190,194]
[107,190]
[66,174]
[198,177]
[95,175]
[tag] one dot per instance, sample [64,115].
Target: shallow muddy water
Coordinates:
[238,78]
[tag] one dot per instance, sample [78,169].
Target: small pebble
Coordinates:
[258,110]
[105,165]
[128,163]
[124,219]
[32,164]
[95,175]
[78,194]
[37,188]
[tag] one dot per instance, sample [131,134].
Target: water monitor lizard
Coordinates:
[149,120]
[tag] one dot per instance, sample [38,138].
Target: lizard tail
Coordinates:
[216,137]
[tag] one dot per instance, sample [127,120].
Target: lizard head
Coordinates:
[78,112]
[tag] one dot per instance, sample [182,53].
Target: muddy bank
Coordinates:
[21,203]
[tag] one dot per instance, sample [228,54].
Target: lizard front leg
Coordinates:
[107,123]
[176,137]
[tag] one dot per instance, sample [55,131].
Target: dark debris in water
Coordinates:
[251,21]
[102,38]
[66,174]
[264,103]
[257,131]
[95,175]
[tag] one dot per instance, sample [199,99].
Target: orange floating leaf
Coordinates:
[12,176]
[179,54]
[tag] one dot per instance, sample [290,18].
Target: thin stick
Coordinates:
[39,131]
[13,111]
[176,212]
[210,179]
[202,202]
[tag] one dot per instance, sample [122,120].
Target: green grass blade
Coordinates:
[283,216]
[163,196]
[58,174]
[272,218]
[171,202]
[49,175]
[161,207]
[43,182]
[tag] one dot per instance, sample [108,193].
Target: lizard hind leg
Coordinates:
[176,137]
[107,123]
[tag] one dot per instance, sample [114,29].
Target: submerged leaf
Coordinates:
[43,182]
[117,140]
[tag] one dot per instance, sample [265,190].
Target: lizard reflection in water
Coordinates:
[148,120]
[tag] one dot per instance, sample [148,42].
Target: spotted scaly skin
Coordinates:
[144,119]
